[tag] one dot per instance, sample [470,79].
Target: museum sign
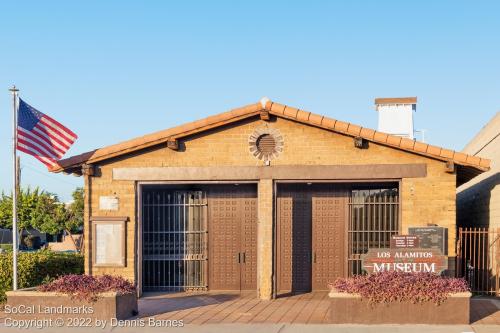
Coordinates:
[405,255]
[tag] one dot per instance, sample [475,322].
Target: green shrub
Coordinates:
[6,247]
[35,268]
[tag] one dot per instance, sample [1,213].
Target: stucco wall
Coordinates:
[478,201]
[424,200]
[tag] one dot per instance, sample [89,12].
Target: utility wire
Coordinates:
[33,168]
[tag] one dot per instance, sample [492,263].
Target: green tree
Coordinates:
[5,211]
[33,208]
[43,211]
[74,220]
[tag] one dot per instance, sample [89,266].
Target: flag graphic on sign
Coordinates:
[42,136]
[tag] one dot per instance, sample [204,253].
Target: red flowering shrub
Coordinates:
[86,287]
[388,287]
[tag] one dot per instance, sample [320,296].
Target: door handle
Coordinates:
[314,257]
[239,258]
[244,257]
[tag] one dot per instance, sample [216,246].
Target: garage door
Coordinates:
[199,237]
[232,237]
[310,236]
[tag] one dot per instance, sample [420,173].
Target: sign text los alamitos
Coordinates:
[405,260]
[404,257]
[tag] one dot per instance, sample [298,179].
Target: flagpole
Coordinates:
[15,235]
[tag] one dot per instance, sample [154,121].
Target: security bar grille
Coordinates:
[373,219]
[478,259]
[174,240]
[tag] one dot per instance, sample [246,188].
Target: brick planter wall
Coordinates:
[352,309]
[108,305]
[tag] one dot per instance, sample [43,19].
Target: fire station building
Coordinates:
[265,197]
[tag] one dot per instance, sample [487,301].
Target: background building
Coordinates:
[478,201]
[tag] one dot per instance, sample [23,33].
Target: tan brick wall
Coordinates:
[86,227]
[105,186]
[265,239]
[430,200]
[424,200]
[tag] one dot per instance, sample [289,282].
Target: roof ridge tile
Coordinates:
[277,108]
[407,143]
[484,162]
[393,140]
[290,111]
[315,119]
[354,129]
[367,133]
[328,122]
[447,153]
[303,115]
[341,126]
[460,157]
[380,137]
[420,146]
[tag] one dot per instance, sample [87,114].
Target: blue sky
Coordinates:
[113,70]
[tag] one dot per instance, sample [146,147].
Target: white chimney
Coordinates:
[395,115]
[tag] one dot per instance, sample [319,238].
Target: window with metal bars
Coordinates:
[174,240]
[373,219]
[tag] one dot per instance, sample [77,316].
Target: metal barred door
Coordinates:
[232,237]
[328,224]
[293,238]
[478,259]
[174,240]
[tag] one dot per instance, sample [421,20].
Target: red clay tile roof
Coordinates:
[396,100]
[280,110]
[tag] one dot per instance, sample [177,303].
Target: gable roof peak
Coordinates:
[280,110]
[264,101]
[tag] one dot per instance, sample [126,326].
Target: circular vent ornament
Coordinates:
[266,143]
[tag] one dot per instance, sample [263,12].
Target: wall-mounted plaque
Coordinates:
[108,203]
[108,241]
[404,260]
[431,237]
[404,241]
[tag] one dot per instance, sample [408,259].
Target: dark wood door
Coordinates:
[293,238]
[310,236]
[224,240]
[328,225]
[232,232]
[248,249]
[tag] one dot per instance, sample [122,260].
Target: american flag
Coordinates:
[41,136]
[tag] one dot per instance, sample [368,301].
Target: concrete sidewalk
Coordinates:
[325,328]
[224,313]
[282,328]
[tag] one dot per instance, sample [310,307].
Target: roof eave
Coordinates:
[467,161]
[160,137]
